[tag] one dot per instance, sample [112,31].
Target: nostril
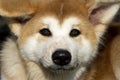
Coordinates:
[61,57]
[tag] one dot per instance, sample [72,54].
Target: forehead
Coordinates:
[60,11]
[56,13]
[61,8]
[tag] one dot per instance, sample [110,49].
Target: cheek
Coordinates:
[87,50]
[33,47]
[42,49]
[28,49]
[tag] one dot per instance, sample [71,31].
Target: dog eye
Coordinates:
[45,32]
[74,33]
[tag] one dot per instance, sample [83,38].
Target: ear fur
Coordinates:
[104,13]
[16,12]
[13,8]
[101,16]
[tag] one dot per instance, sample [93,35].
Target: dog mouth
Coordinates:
[62,68]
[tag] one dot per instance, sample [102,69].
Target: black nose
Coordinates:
[61,57]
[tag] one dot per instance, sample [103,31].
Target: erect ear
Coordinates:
[101,16]
[16,12]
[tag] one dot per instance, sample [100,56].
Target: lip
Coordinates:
[56,68]
[62,68]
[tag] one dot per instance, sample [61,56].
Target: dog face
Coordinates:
[60,35]
[60,46]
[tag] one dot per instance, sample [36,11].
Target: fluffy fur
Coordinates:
[29,57]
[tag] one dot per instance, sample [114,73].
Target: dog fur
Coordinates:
[29,56]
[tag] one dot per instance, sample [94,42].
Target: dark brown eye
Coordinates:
[74,33]
[45,32]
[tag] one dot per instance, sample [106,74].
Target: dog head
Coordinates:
[59,34]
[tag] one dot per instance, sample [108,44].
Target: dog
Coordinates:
[57,40]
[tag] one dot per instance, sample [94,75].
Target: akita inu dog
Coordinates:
[55,39]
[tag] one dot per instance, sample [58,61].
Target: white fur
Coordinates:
[32,60]
[60,29]
[82,51]
[11,62]
[110,14]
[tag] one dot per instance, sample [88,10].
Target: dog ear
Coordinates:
[13,8]
[16,12]
[102,15]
